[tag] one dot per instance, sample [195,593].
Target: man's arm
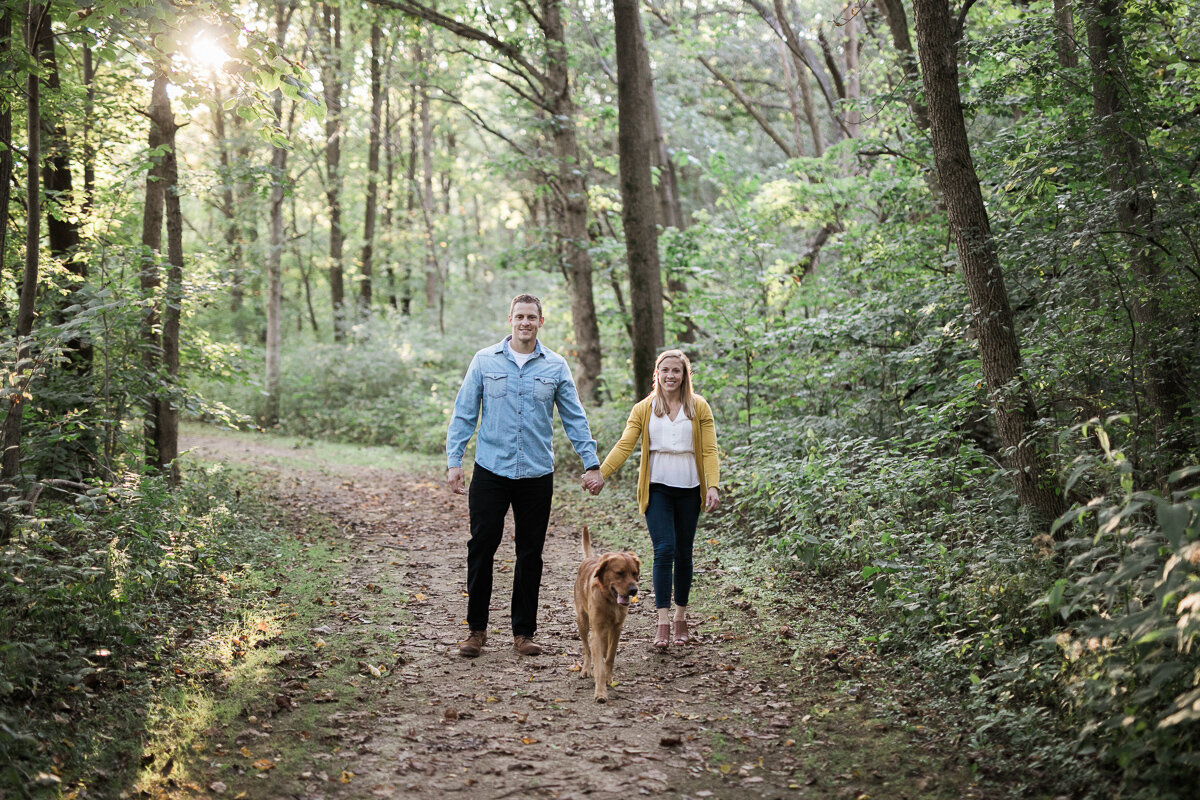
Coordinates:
[465,416]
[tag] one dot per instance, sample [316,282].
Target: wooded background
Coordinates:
[936,264]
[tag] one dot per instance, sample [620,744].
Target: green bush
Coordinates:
[91,594]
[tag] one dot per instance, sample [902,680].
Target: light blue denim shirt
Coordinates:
[518,413]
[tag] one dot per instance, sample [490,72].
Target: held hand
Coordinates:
[712,500]
[593,481]
[454,480]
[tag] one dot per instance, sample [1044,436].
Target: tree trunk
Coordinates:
[10,460]
[89,115]
[389,189]
[152,222]
[368,251]
[433,268]
[795,103]
[897,22]
[669,205]
[62,234]
[6,140]
[1163,363]
[572,202]
[305,263]
[810,111]
[168,414]
[637,198]
[331,77]
[853,84]
[999,352]
[233,233]
[62,228]
[279,157]
[1064,33]
[410,181]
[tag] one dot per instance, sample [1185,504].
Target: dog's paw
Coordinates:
[601,698]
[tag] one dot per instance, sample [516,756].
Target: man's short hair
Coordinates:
[525,298]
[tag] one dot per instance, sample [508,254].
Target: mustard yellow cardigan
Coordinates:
[704,447]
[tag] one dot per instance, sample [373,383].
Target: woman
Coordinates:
[678,470]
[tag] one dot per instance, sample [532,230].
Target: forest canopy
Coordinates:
[937,266]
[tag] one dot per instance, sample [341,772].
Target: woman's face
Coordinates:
[670,374]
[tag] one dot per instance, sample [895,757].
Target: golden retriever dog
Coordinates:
[603,587]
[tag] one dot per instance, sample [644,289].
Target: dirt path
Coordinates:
[719,718]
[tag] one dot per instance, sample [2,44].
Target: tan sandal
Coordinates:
[662,636]
[681,631]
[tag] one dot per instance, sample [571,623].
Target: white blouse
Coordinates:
[672,460]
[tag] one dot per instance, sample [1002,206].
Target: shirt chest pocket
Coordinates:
[543,389]
[495,384]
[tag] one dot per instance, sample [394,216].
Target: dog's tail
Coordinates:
[587,543]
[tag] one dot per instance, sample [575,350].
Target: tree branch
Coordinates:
[591,35]
[533,13]
[831,65]
[749,106]
[509,51]
[962,20]
[536,100]
[536,97]
[447,97]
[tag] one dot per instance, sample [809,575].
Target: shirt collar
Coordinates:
[505,349]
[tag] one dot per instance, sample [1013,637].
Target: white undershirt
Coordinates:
[520,358]
[672,460]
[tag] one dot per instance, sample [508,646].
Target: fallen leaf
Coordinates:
[346,777]
[245,751]
[217,787]
[263,764]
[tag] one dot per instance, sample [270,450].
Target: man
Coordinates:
[516,384]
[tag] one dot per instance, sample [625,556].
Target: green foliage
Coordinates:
[392,385]
[91,590]
[1127,659]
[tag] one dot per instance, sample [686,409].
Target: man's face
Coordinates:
[525,322]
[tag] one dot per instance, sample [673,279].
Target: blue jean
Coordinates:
[671,517]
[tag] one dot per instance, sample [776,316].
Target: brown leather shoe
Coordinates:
[473,645]
[526,646]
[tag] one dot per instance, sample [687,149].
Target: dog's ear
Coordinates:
[602,565]
[637,562]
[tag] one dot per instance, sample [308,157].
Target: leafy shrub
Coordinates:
[91,593]
[1124,662]
[87,575]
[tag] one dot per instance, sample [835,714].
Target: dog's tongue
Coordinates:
[622,601]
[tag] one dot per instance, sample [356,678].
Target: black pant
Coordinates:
[489,499]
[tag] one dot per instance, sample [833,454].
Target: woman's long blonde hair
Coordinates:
[685,387]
